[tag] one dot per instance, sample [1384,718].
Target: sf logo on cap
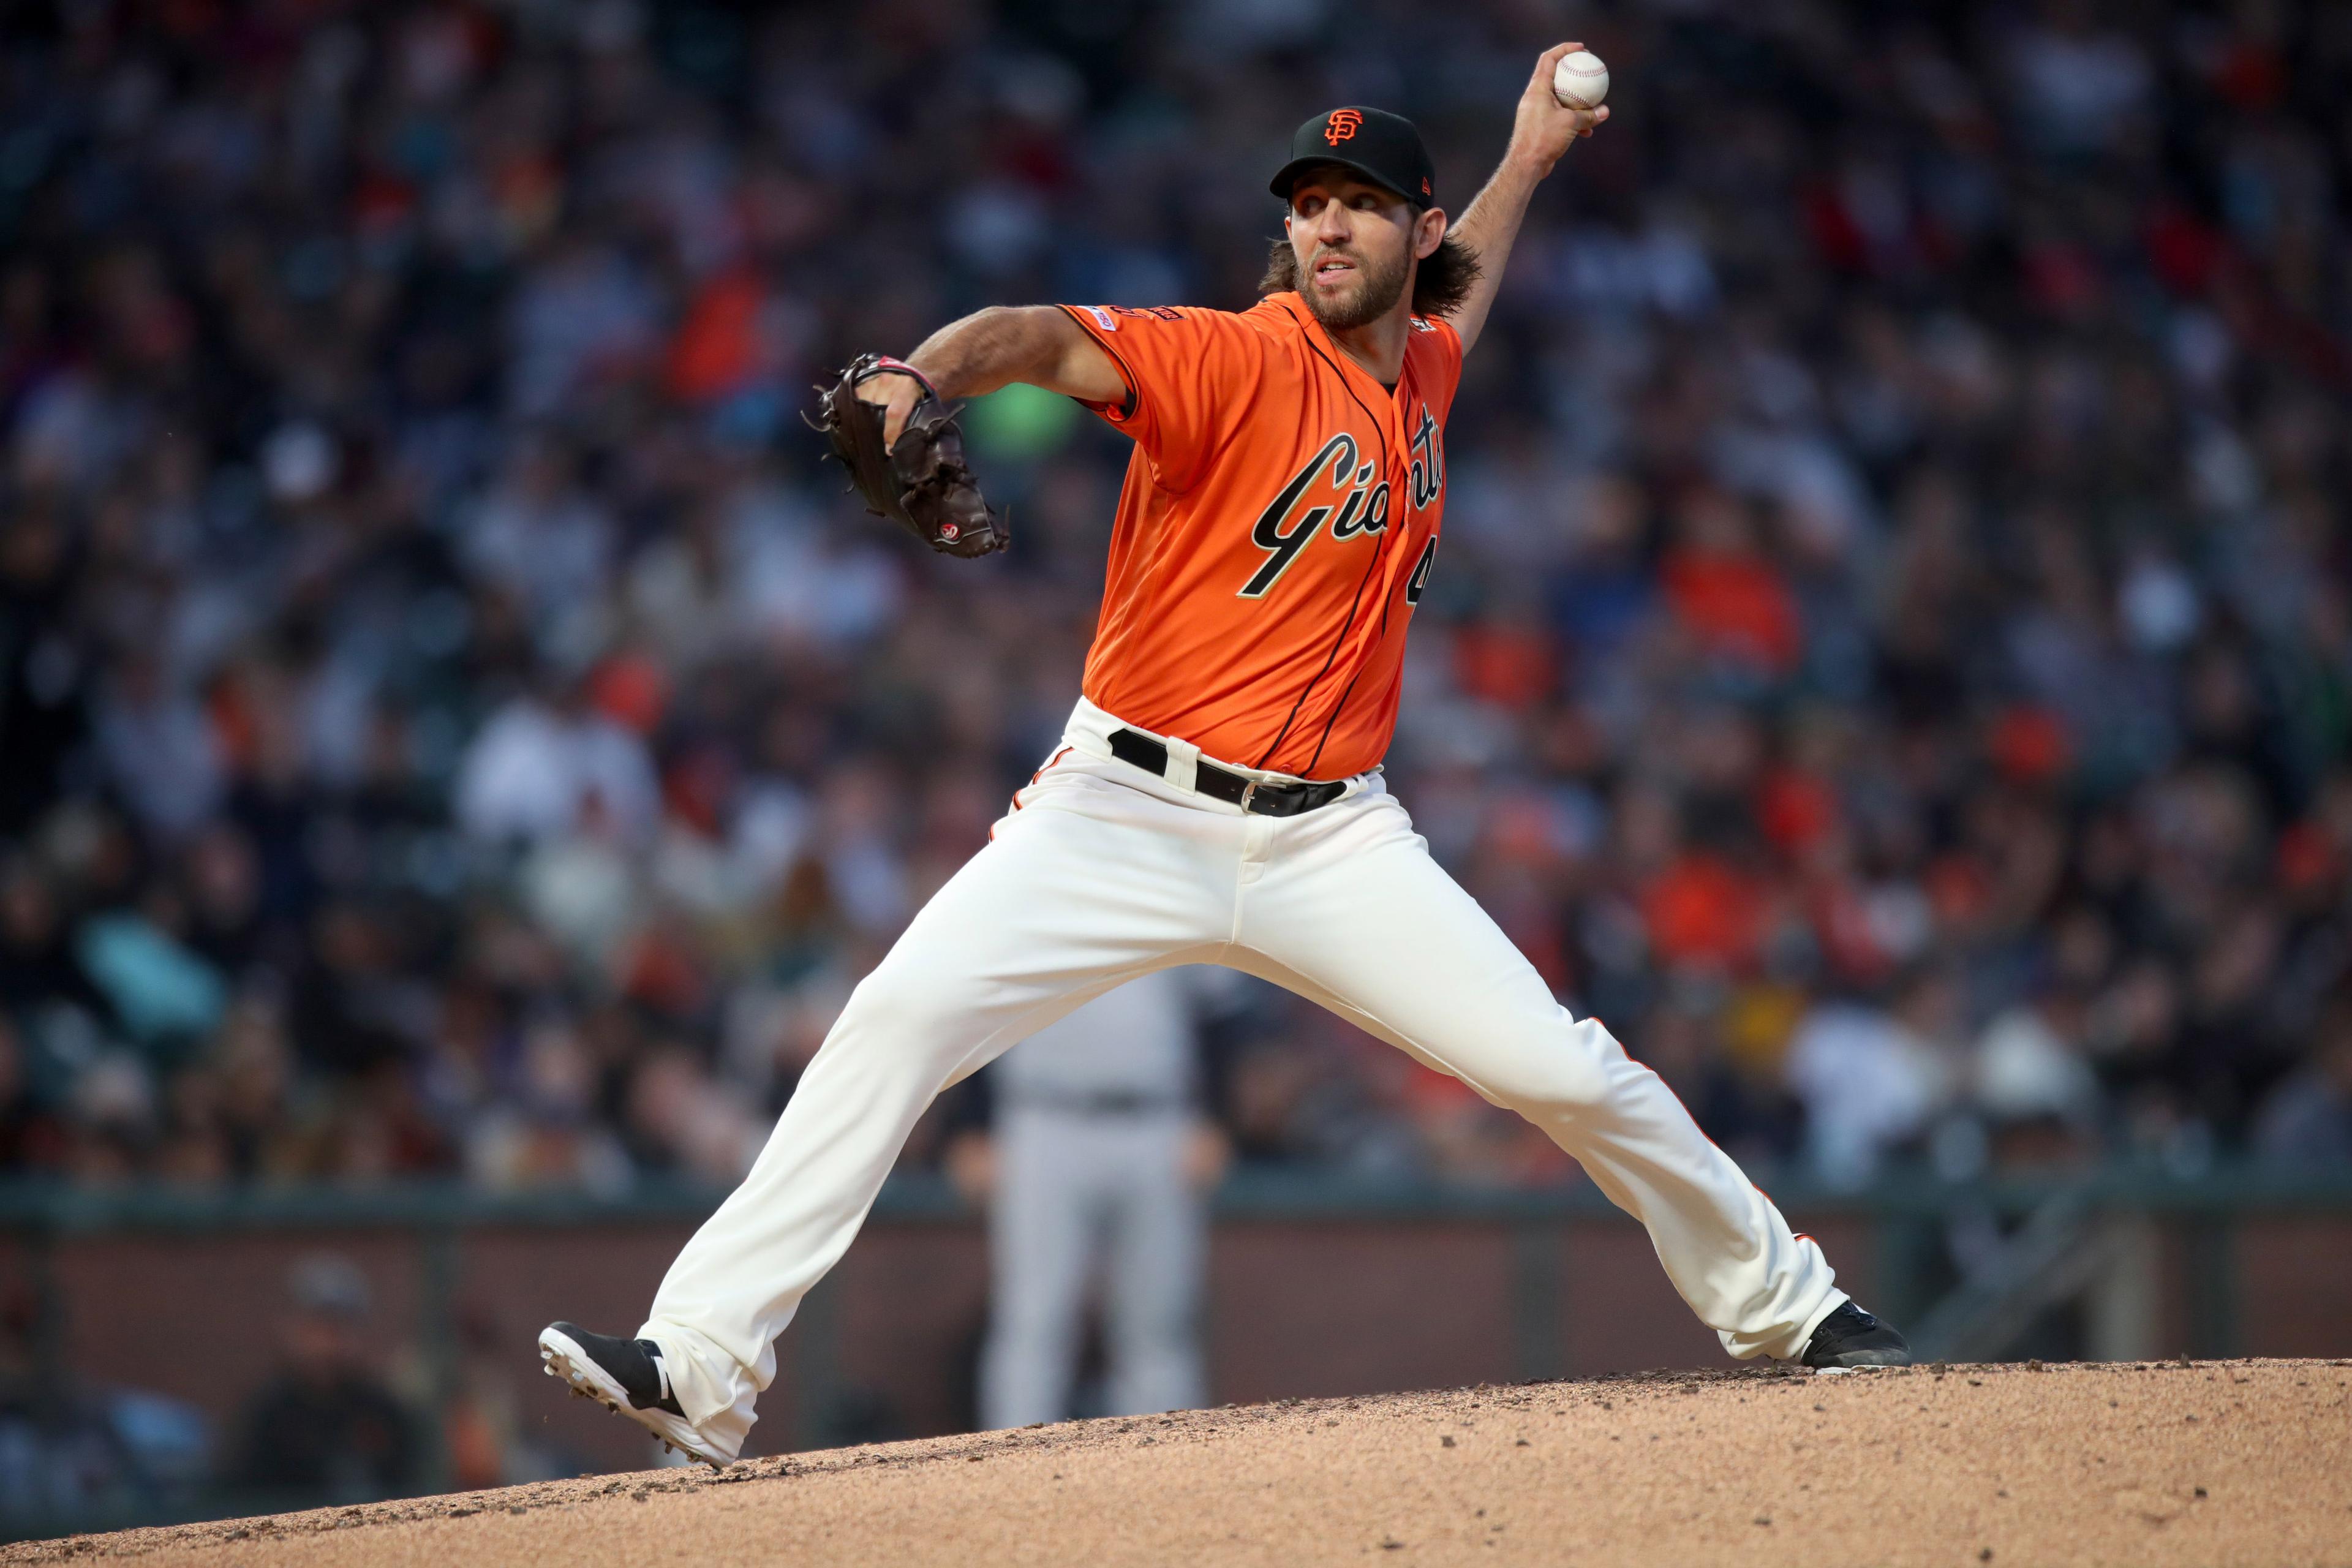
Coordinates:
[1342,126]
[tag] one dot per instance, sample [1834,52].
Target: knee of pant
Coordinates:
[1034,1318]
[1568,1070]
[1162,1329]
[905,1015]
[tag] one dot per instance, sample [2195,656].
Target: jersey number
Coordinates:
[1420,578]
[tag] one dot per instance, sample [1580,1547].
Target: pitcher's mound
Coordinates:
[2237,1462]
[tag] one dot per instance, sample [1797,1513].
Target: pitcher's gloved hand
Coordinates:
[917,476]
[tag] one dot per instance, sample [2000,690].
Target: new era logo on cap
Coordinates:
[1341,125]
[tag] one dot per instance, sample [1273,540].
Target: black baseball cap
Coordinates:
[1383,148]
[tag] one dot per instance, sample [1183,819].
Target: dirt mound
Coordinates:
[2240,1462]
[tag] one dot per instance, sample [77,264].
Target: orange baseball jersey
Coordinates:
[1279,519]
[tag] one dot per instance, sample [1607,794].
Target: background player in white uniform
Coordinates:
[1098,1162]
[1217,797]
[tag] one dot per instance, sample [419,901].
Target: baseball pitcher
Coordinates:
[1217,796]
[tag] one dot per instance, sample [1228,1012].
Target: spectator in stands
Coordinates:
[67,1447]
[2306,1124]
[29,1140]
[1874,1080]
[326,1428]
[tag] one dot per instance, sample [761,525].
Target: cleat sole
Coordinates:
[587,1381]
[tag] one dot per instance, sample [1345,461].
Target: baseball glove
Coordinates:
[922,481]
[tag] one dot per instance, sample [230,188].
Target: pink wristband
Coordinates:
[884,362]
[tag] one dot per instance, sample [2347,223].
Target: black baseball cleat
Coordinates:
[626,1378]
[1852,1337]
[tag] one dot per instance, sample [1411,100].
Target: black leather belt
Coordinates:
[1221,784]
[1098,1102]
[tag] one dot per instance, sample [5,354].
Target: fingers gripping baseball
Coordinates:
[1547,121]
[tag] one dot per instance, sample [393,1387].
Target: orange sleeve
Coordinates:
[1190,373]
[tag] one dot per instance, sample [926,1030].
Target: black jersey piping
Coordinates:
[1406,520]
[1342,706]
[1381,426]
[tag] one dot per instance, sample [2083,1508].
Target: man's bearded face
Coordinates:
[1354,246]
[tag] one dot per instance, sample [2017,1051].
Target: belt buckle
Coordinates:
[1249,793]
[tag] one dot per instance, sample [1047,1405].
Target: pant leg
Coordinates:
[1352,912]
[1158,1258]
[1045,1220]
[1088,884]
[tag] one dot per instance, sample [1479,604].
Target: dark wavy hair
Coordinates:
[1439,286]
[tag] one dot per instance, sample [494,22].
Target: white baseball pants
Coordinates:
[1101,873]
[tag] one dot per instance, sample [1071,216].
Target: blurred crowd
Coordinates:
[345,1412]
[1890,656]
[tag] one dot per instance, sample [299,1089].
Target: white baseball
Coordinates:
[1579,80]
